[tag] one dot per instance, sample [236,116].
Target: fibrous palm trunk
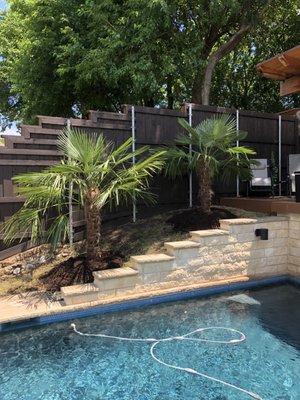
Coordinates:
[205,191]
[93,225]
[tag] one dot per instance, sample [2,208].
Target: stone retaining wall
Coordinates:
[294,245]
[209,256]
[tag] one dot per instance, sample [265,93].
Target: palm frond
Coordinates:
[211,142]
[131,182]
[23,224]
[89,162]
[83,148]
[58,231]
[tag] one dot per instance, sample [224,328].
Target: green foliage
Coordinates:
[237,82]
[64,57]
[211,143]
[89,163]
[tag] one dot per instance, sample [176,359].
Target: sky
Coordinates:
[2,4]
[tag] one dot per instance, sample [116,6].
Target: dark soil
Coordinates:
[192,219]
[76,270]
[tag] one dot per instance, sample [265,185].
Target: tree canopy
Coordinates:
[64,57]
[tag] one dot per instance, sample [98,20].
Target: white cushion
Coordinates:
[294,166]
[294,163]
[264,182]
[262,164]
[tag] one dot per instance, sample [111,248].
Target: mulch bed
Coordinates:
[192,219]
[76,270]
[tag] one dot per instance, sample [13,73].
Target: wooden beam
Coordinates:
[290,86]
[270,73]
[284,65]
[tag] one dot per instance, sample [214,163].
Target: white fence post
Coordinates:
[190,151]
[71,233]
[279,153]
[133,157]
[237,145]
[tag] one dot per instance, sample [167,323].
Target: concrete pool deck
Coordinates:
[26,306]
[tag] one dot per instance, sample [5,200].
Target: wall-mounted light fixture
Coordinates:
[263,233]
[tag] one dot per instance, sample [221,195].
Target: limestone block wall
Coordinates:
[210,256]
[218,254]
[294,245]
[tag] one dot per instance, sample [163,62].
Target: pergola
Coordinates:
[284,67]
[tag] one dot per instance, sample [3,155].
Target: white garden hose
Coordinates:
[155,342]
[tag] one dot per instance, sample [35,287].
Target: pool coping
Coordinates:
[143,300]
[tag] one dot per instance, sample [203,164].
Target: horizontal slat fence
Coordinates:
[36,149]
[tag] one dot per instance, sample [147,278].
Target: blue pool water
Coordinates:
[55,363]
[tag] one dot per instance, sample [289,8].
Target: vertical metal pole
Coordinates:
[71,233]
[133,157]
[237,145]
[190,151]
[279,154]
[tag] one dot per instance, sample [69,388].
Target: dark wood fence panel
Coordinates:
[262,136]
[157,126]
[36,149]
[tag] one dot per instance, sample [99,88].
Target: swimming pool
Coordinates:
[55,363]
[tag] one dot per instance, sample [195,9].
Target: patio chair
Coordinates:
[261,178]
[294,166]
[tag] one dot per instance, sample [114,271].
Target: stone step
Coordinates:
[210,237]
[115,279]
[183,251]
[232,225]
[114,273]
[173,247]
[77,294]
[152,263]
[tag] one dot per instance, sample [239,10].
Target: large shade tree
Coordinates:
[236,80]
[209,150]
[63,57]
[96,174]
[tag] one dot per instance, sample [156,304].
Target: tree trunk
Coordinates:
[202,82]
[93,225]
[205,191]
[197,88]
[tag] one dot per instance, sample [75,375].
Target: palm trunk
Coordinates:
[205,191]
[93,225]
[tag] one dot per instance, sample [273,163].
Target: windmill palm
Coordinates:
[99,174]
[209,150]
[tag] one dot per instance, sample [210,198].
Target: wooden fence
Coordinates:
[36,149]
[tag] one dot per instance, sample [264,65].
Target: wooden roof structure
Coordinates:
[292,112]
[284,67]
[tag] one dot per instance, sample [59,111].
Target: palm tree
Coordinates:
[98,174]
[209,149]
